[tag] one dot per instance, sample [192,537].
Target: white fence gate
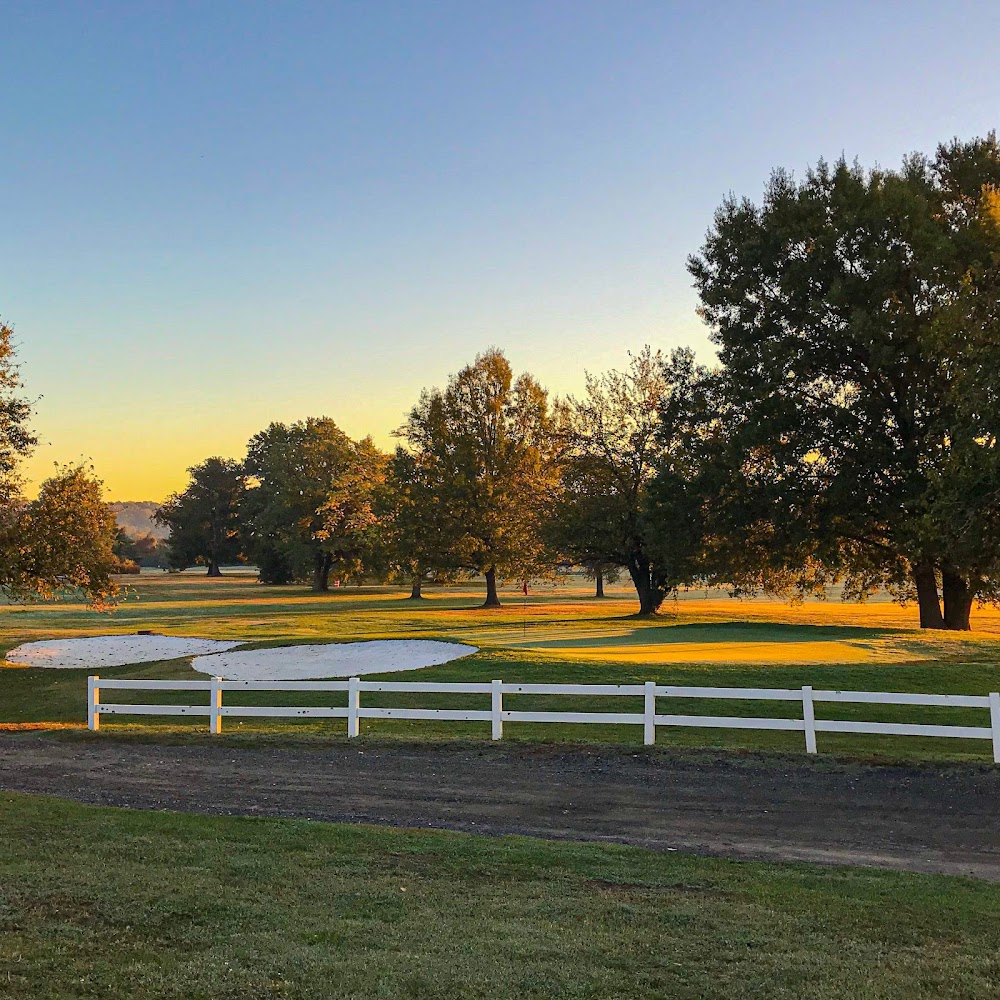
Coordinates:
[496,715]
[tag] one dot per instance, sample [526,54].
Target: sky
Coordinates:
[215,216]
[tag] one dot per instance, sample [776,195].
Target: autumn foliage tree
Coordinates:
[352,529]
[67,537]
[63,538]
[487,442]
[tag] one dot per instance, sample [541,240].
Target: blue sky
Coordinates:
[218,215]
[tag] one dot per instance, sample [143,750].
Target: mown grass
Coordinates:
[101,902]
[560,636]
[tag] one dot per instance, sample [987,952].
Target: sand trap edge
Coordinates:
[95,651]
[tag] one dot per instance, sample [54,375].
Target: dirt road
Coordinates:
[929,818]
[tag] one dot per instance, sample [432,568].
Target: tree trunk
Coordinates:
[415,594]
[927,596]
[600,585]
[958,597]
[321,572]
[642,579]
[492,600]
[213,569]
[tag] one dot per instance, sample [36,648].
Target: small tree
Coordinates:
[64,538]
[204,519]
[601,573]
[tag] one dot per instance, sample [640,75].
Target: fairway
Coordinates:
[563,621]
[559,634]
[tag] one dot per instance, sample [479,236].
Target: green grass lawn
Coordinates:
[102,902]
[562,636]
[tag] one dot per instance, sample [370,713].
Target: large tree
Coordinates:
[857,315]
[624,432]
[424,541]
[204,519]
[308,508]
[353,523]
[65,537]
[489,446]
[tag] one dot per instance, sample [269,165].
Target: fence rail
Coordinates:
[497,715]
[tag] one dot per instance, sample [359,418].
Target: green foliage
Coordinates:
[625,435]
[204,519]
[352,532]
[16,438]
[486,446]
[310,506]
[856,317]
[66,540]
[423,540]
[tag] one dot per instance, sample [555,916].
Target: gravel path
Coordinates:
[928,818]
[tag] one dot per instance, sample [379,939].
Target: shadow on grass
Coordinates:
[725,632]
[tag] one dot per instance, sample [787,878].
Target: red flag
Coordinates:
[525,588]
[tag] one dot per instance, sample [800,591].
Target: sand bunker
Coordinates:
[92,652]
[336,659]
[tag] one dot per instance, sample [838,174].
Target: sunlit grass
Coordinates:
[552,618]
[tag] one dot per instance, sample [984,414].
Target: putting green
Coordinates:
[720,652]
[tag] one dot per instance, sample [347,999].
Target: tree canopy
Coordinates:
[64,538]
[856,315]
[487,442]
[67,535]
[623,434]
[204,519]
[308,507]
[424,539]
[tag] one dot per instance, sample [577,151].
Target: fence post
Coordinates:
[215,714]
[353,704]
[496,710]
[809,718]
[649,714]
[995,724]
[93,700]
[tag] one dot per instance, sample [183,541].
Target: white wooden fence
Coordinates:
[496,715]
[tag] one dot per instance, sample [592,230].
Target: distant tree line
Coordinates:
[137,553]
[848,433]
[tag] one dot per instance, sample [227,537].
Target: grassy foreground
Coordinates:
[103,902]
[558,635]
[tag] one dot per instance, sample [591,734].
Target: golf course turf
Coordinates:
[141,902]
